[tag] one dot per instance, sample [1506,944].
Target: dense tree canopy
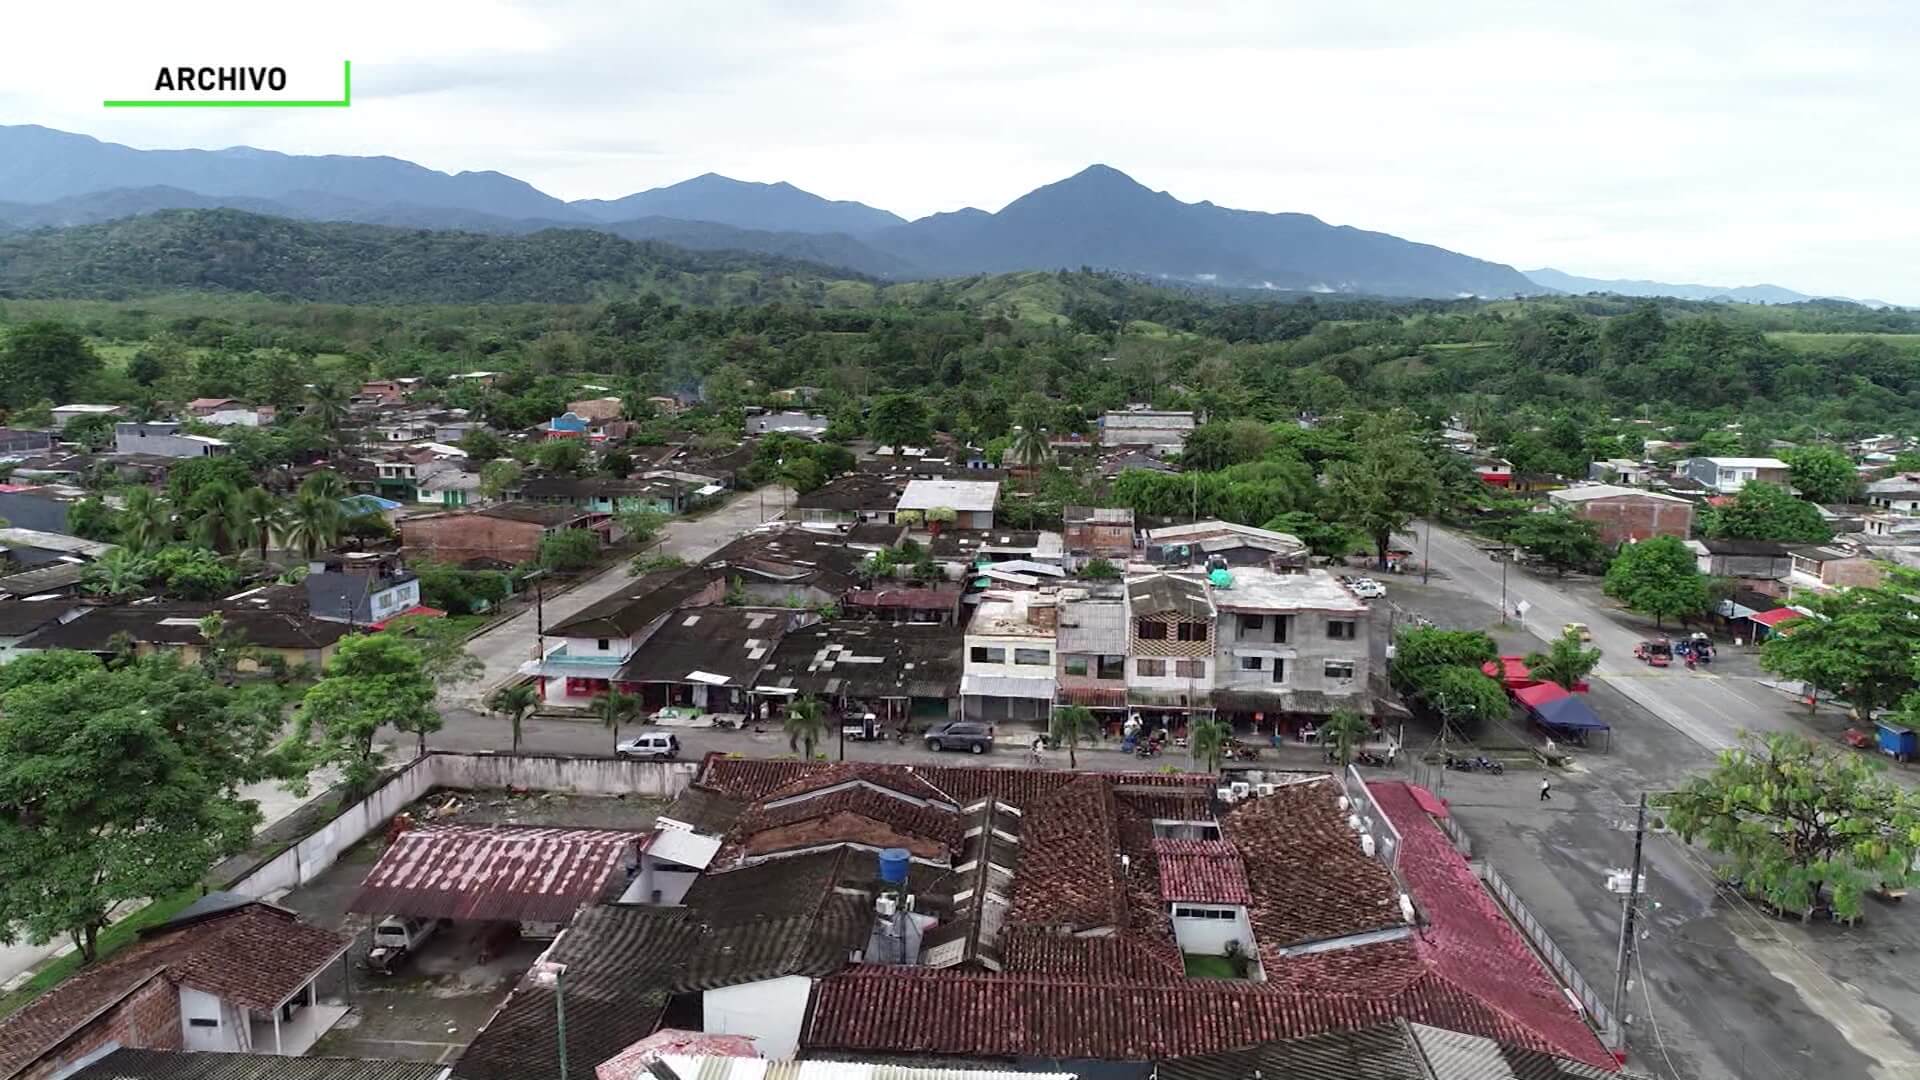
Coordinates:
[1761,511]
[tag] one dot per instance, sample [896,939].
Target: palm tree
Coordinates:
[514,702]
[1030,449]
[313,522]
[1346,729]
[1208,737]
[1070,725]
[1565,662]
[325,483]
[146,519]
[805,722]
[328,400]
[219,517]
[261,513]
[615,708]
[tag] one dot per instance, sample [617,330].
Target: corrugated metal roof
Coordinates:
[745,1068]
[1454,1055]
[492,872]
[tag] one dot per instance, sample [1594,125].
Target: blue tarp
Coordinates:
[1569,714]
[368,504]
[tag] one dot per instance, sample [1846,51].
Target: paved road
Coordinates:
[1725,991]
[506,646]
[1710,708]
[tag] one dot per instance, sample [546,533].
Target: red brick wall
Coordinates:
[147,1019]
[472,536]
[1633,517]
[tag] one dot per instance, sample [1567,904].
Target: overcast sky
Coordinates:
[1727,144]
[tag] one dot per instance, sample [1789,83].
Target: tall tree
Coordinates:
[43,359]
[1766,512]
[497,478]
[1566,662]
[327,402]
[805,724]
[1208,737]
[1800,822]
[900,420]
[514,702]
[615,708]
[261,515]
[117,786]
[373,681]
[442,645]
[1345,730]
[1387,485]
[1031,451]
[1859,643]
[1822,474]
[1071,726]
[313,521]
[146,519]
[1658,577]
[217,518]
[1557,538]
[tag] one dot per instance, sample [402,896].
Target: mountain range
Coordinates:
[1558,281]
[1099,218]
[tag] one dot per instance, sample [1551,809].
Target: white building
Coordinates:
[1009,666]
[972,501]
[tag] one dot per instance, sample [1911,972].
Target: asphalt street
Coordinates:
[1722,990]
[504,647]
[1709,707]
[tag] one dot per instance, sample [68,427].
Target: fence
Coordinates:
[1598,1014]
[1372,818]
[319,850]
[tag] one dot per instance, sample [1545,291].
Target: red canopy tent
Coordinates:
[1513,674]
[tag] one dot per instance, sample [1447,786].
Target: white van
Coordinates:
[403,932]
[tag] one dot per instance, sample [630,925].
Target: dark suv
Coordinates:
[961,735]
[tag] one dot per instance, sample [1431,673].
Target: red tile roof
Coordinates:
[850,815]
[1070,876]
[1201,872]
[492,872]
[1776,616]
[1309,878]
[255,956]
[750,779]
[1471,942]
[924,1011]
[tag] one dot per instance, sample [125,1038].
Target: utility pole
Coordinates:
[1628,915]
[1426,553]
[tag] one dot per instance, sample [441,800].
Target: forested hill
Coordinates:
[234,251]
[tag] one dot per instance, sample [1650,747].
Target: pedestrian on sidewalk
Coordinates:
[1545,795]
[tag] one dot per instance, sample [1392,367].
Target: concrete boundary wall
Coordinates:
[318,851]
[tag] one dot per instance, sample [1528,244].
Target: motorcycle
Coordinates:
[1147,750]
[1370,759]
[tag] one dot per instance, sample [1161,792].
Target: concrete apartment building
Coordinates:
[1727,475]
[1296,645]
[1009,672]
[1626,514]
[164,439]
[1162,432]
[1170,657]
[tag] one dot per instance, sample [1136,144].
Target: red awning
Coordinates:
[1776,616]
[420,610]
[1511,670]
[1539,694]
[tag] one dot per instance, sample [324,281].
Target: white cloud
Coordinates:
[1725,143]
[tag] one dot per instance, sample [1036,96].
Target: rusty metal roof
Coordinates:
[492,872]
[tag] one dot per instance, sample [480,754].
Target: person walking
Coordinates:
[1545,795]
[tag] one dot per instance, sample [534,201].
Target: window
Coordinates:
[1075,665]
[1190,669]
[1279,670]
[1112,667]
[1252,624]
[981,654]
[1340,629]
[1033,657]
[1204,913]
[1152,669]
[1280,625]
[1253,663]
[602,644]
[202,1021]
[1193,631]
[1150,631]
[1338,669]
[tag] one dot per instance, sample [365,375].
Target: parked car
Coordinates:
[403,932]
[1367,589]
[649,746]
[960,735]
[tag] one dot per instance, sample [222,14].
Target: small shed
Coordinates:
[508,873]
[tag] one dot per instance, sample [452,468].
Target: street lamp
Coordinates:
[553,974]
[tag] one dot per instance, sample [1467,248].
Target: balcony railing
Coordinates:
[596,662]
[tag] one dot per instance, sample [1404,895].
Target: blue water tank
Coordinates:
[893,865]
